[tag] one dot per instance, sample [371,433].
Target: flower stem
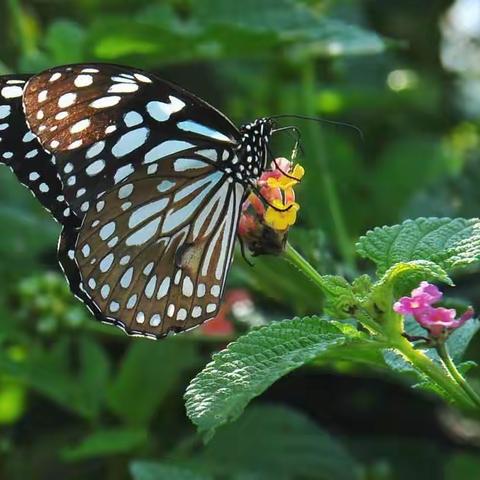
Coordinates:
[302,264]
[456,375]
[296,259]
[329,188]
[435,373]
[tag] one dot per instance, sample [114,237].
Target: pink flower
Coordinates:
[412,305]
[428,290]
[437,320]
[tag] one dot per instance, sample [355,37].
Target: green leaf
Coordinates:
[459,339]
[403,275]
[215,29]
[106,442]
[158,471]
[340,299]
[48,371]
[290,22]
[404,155]
[362,286]
[450,243]
[250,365]
[359,353]
[457,343]
[462,466]
[158,365]
[94,375]
[65,42]
[23,245]
[274,442]
[399,364]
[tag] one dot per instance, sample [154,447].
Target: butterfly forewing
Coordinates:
[21,151]
[154,252]
[104,121]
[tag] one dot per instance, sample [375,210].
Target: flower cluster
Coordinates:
[439,321]
[268,213]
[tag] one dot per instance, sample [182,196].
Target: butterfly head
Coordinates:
[254,146]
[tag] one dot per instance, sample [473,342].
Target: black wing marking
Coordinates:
[21,152]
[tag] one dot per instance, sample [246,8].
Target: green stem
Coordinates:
[454,385]
[294,257]
[298,261]
[319,154]
[456,375]
[434,372]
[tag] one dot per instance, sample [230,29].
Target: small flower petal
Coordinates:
[279,216]
[428,290]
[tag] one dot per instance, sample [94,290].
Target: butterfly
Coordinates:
[147,181]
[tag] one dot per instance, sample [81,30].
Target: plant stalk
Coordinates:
[319,154]
[456,375]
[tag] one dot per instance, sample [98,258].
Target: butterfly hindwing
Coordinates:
[20,150]
[104,121]
[154,252]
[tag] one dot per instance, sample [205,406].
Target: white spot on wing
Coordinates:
[67,99]
[130,141]
[161,111]
[166,148]
[95,149]
[123,172]
[198,128]
[12,92]
[83,81]
[146,211]
[123,88]
[95,167]
[144,234]
[79,126]
[105,102]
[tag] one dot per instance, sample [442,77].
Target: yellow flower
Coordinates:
[284,217]
[270,210]
[285,182]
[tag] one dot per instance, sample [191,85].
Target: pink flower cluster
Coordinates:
[437,320]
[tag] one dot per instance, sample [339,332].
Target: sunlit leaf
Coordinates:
[251,364]
[450,243]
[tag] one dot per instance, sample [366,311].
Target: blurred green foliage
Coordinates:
[80,400]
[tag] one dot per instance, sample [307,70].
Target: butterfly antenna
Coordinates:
[292,129]
[322,120]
